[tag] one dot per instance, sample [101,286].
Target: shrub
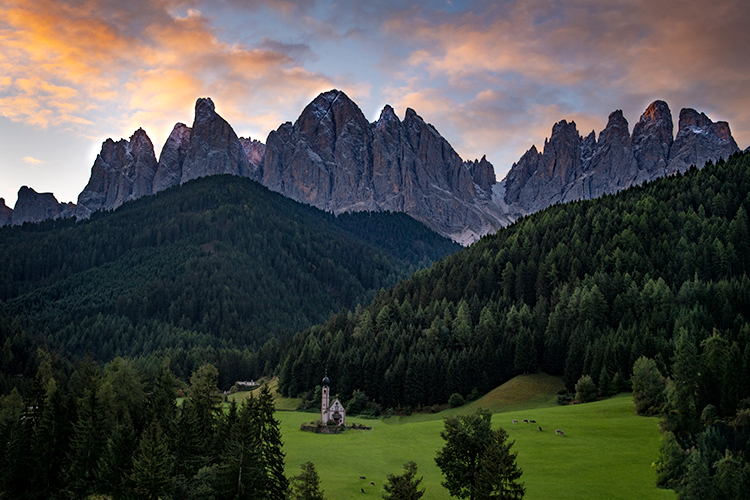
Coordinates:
[456,400]
[564,399]
[585,389]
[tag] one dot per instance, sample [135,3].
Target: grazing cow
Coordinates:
[515,421]
[540,428]
[525,421]
[362,477]
[362,490]
[559,432]
[532,421]
[372,483]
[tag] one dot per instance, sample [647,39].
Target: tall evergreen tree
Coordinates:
[404,486]
[153,465]
[87,444]
[306,486]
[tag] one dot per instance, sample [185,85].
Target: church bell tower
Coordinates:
[324,400]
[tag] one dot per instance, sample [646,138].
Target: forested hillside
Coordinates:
[582,288]
[201,272]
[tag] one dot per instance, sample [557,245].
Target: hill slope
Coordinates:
[220,262]
[581,288]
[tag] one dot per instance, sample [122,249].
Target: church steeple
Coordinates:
[328,411]
[324,395]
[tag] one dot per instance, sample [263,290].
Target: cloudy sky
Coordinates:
[492,76]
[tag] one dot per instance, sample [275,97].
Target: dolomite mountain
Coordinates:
[331,157]
[572,167]
[33,207]
[334,159]
[6,213]
[123,171]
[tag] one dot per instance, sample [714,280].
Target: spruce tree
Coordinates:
[153,465]
[306,486]
[270,436]
[241,473]
[405,486]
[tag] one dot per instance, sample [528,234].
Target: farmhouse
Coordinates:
[334,411]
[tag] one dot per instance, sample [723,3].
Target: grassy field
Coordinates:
[606,453]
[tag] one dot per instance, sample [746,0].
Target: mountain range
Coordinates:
[334,159]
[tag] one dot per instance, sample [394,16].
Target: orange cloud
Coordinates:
[98,67]
[32,161]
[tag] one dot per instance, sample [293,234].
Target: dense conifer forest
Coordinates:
[205,272]
[80,430]
[584,288]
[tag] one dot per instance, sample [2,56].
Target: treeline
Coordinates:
[220,263]
[705,420]
[584,288]
[82,430]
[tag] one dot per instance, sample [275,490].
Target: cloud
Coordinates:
[109,67]
[33,161]
[499,74]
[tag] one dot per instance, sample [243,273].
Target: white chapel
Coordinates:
[333,411]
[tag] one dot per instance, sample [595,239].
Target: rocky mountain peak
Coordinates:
[387,117]
[575,168]
[656,112]
[6,214]
[172,157]
[562,153]
[334,159]
[652,139]
[690,118]
[204,110]
[616,129]
[214,146]
[123,171]
[483,173]
[35,207]
[699,140]
[255,151]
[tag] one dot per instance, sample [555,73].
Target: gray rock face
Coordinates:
[572,167]
[539,180]
[6,214]
[612,167]
[172,157]
[254,151]
[214,147]
[334,159]
[123,171]
[483,173]
[35,207]
[652,139]
[698,141]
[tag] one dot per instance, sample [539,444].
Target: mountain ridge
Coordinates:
[333,158]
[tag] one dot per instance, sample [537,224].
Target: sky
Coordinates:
[492,76]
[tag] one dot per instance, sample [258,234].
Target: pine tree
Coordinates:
[241,473]
[499,475]
[306,486]
[270,436]
[405,486]
[87,445]
[153,465]
[116,463]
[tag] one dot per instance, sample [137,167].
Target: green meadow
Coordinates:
[606,452]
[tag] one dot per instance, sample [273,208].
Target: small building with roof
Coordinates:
[331,411]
